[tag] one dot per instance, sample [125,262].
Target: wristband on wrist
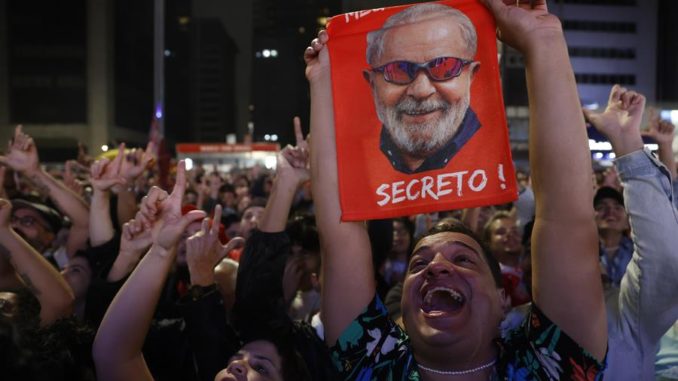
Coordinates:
[198,292]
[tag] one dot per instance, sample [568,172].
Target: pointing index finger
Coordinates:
[180,183]
[117,162]
[216,220]
[297,130]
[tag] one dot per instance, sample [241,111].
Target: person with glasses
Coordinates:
[27,266]
[421,69]
[36,222]
[22,157]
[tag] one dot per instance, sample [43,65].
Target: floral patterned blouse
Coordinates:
[374,348]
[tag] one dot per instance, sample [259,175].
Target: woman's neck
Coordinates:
[508,259]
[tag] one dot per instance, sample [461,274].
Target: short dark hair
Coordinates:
[498,215]
[293,365]
[417,13]
[227,188]
[453,225]
[52,217]
[60,351]
[304,234]
[608,192]
[27,315]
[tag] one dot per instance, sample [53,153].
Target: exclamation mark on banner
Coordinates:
[500,170]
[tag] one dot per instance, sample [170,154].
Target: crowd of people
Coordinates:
[106,274]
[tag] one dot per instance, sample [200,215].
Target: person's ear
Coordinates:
[367,75]
[475,65]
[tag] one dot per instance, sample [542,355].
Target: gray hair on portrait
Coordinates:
[415,13]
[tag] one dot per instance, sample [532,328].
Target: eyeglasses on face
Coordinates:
[438,69]
[26,221]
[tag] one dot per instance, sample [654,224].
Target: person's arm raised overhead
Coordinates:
[662,132]
[648,302]
[118,344]
[566,279]
[210,335]
[134,242]
[70,179]
[271,245]
[104,175]
[621,120]
[39,276]
[291,172]
[23,157]
[204,251]
[133,165]
[348,278]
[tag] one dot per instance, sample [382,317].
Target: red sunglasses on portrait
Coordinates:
[438,69]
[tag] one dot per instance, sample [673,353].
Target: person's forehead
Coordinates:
[28,211]
[444,239]
[504,222]
[25,211]
[262,348]
[79,261]
[253,210]
[424,40]
[399,225]
[608,201]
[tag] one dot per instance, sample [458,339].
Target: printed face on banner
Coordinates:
[421,65]
[420,77]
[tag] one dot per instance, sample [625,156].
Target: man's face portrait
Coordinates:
[418,110]
[421,73]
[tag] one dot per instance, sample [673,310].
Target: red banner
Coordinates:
[418,108]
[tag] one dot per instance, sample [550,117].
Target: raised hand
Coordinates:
[170,222]
[22,155]
[134,242]
[317,58]
[69,178]
[117,348]
[204,250]
[136,162]
[522,23]
[105,174]
[662,132]
[294,271]
[135,238]
[293,162]
[620,122]
[659,130]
